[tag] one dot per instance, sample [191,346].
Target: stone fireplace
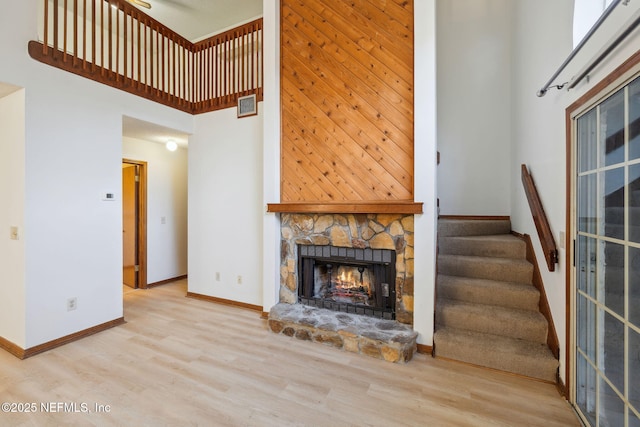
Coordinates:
[390,232]
[359,266]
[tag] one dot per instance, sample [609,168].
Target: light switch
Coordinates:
[14,233]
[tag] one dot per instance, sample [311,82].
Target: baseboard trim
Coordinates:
[476,217]
[223,301]
[166,281]
[425,349]
[562,388]
[511,374]
[265,315]
[12,348]
[21,353]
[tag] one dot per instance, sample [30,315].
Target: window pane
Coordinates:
[587,271]
[612,363]
[587,199]
[612,128]
[634,287]
[611,411]
[634,369]
[634,203]
[634,421]
[612,270]
[586,389]
[634,119]
[587,327]
[613,202]
[587,135]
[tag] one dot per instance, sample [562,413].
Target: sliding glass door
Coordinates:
[606,294]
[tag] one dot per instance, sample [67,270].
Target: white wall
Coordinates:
[73,239]
[225,206]
[425,169]
[12,252]
[271,154]
[539,134]
[166,198]
[474,102]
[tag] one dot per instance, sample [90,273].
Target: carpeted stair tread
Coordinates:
[522,357]
[509,322]
[503,269]
[499,246]
[471,227]
[487,310]
[489,292]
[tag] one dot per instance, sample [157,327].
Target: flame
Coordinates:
[346,280]
[349,280]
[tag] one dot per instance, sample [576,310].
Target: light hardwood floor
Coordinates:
[180,361]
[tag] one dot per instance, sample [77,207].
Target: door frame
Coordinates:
[622,75]
[141,238]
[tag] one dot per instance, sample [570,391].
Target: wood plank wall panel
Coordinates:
[347,100]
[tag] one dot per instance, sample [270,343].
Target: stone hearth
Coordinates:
[383,339]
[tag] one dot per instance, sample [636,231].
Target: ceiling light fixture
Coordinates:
[140,3]
[171,145]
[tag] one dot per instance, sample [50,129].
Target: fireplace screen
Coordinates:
[350,280]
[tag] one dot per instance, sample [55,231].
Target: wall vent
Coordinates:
[247,106]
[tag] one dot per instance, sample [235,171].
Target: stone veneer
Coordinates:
[383,339]
[376,231]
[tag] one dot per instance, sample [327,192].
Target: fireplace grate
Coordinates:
[348,308]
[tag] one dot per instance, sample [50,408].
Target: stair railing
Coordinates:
[540,219]
[114,43]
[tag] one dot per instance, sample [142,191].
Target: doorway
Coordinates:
[605,291]
[134,224]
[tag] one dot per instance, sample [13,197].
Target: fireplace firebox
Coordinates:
[350,280]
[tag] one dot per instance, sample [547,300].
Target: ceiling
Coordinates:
[147,131]
[194,20]
[7,89]
[197,19]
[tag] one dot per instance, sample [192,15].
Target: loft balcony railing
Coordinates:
[114,43]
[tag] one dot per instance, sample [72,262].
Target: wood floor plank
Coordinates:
[182,361]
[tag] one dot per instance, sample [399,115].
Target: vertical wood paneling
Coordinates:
[347,100]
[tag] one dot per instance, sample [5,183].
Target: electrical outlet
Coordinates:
[72,304]
[217,276]
[239,280]
[14,233]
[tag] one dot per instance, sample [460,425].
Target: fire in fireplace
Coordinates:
[350,280]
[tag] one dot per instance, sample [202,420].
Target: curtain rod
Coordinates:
[620,36]
[542,92]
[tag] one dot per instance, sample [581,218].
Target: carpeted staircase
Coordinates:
[487,308]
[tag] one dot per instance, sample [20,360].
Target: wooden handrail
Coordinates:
[540,219]
[123,47]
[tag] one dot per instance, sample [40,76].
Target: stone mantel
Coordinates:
[347,207]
